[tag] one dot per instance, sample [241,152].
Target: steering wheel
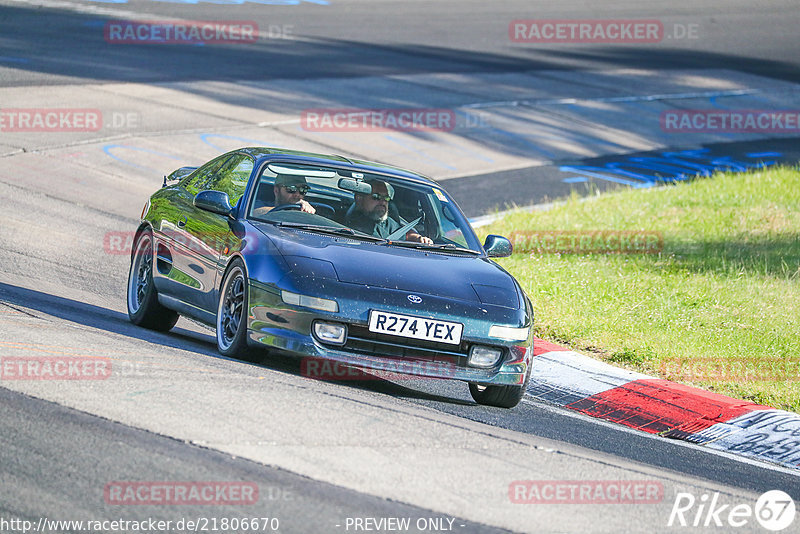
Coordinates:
[282,207]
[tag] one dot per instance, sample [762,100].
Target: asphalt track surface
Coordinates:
[99,449]
[55,457]
[363,37]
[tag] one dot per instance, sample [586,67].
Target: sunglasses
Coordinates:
[378,196]
[302,189]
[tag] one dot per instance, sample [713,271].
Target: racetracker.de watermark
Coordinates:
[737,369]
[620,31]
[378,120]
[50,120]
[587,242]
[730,121]
[181,32]
[120,242]
[54,368]
[180,493]
[60,120]
[322,369]
[586,492]
[586,31]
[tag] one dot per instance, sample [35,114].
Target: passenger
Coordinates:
[370,214]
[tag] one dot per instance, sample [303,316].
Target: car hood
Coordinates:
[461,277]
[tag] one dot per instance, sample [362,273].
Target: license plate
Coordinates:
[409,326]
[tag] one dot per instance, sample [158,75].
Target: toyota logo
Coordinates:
[415,299]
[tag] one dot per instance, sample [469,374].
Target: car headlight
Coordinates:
[482,356]
[307,301]
[509,333]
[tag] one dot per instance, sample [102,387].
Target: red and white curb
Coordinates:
[594,388]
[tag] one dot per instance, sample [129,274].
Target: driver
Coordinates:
[370,214]
[290,189]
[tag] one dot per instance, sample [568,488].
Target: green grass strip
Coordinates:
[718,307]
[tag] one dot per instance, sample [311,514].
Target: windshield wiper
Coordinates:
[448,247]
[333,230]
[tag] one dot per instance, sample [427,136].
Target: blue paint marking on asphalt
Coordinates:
[647,171]
[589,171]
[12,59]
[678,167]
[763,154]
[714,104]
[108,148]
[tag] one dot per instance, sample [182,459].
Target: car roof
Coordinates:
[262,154]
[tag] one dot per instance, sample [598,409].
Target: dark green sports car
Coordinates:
[333,259]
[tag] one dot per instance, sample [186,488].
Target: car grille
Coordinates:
[361,340]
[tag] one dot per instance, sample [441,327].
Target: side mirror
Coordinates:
[497,246]
[213,201]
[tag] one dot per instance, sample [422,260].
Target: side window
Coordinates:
[197,181]
[233,177]
[449,226]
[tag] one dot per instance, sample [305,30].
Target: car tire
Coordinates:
[232,313]
[143,307]
[499,396]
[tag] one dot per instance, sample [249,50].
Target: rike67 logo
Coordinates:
[774,511]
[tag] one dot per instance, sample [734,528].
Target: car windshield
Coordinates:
[381,206]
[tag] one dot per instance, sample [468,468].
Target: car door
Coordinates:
[172,275]
[205,235]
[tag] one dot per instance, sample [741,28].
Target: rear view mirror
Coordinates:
[355,186]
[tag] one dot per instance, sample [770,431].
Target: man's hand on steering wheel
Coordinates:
[299,206]
[414,236]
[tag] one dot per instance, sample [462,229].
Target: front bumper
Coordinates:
[274,324]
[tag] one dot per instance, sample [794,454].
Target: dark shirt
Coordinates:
[358,221]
